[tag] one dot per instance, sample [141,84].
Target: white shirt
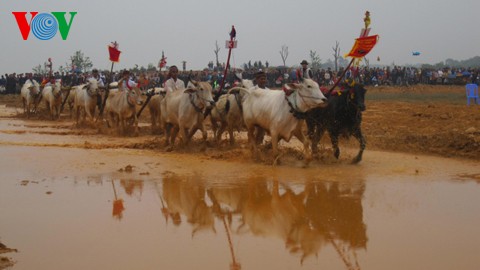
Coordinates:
[171,85]
[128,84]
[257,87]
[306,73]
[99,81]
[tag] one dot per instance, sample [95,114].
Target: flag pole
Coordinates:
[364,33]
[114,57]
[107,90]
[341,77]
[162,63]
[230,47]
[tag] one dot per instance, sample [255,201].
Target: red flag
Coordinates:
[114,52]
[363,46]
[163,61]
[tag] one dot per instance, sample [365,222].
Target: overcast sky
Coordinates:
[187,30]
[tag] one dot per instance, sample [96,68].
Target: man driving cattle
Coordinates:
[261,80]
[100,83]
[173,83]
[126,82]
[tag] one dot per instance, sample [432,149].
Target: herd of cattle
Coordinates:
[278,113]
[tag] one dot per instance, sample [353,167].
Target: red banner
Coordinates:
[163,62]
[114,53]
[363,46]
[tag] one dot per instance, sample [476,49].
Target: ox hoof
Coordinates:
[356,160]
[169,148]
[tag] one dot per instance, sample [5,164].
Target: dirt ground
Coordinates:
[422,119]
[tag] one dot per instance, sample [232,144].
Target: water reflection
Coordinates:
[118,208]
[132,187]
[306,216]
[185,196]
[334,212]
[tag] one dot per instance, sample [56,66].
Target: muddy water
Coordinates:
[66,207]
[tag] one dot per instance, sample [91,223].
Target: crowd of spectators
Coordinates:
[276,77]
[405,76]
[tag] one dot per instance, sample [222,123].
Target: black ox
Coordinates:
[342,116]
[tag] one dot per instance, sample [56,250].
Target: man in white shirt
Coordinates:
[261,80]
[173,83]
[305,71]
[125,82]
[100,83]
[96,76]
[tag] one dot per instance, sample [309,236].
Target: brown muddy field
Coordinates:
[86,197]
[431,120]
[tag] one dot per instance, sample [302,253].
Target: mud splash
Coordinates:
[6,262]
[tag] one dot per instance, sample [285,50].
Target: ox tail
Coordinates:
[227,106]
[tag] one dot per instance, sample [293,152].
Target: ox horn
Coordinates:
[193,81]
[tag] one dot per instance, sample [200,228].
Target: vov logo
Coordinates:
[44,26]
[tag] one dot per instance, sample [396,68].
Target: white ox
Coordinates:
[228,111]
[71,100]
[29,93]
[52,94]
[183,111]
[154,107]
[85,99]
[121,106]
[279,113]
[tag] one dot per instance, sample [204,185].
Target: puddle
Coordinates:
[68,208]
[74,199]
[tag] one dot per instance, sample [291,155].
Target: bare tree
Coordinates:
[217,49]
[284,54]
[315,60]
[336,54]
